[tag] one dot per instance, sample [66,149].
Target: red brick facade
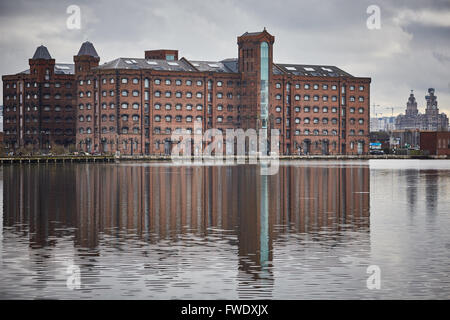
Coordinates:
[435,143]
[39,106]
[134,105]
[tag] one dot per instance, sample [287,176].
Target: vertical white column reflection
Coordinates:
[264,222]
[219,197]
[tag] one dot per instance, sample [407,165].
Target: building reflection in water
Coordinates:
[411,183]
[432,192]
[164,202]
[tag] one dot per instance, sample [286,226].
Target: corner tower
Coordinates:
[411,106]
[255,65]
[42,66]
[432,104]
[86,59]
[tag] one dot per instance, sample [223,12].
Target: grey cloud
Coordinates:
[397,57]
[443,58]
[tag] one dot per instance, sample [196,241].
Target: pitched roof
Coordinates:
[154,64]
[64,68]
[224,66]
[87,49]
[312,70]
[213,66]
[252,33]
[41,53]
[60,68]
[231,64]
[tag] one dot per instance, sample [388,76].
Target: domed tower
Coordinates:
[432,105]
[42,66]
[86,59]
[411,106]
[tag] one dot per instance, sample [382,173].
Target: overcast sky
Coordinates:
[411,50]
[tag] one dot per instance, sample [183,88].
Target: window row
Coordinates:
[307,109]
[324,120]
[48,119]
[315,132]
[124,130]
[352,132]
[57,131]
[307,97]
[178,82]
[35,85]
[314,120]
[157,130]
[353,121]
[44,108]
[317,86]
[124,117]
[178,118]
[178,106]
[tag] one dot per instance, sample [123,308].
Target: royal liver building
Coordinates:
[431,120]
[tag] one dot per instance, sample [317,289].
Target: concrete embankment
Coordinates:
[156,158]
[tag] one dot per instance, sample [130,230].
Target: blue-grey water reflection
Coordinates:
[160,231]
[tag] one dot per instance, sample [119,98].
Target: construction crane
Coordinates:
[392,110]
[375,105]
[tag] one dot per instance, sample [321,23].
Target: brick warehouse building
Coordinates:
[133,105]
[435,142]
[39,104]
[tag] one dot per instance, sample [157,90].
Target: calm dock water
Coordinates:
[157,231]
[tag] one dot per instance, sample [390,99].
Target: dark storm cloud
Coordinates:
[410,51]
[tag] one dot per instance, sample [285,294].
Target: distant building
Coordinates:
[405,138]
[382,124]
[435,143]
[1,118]
[382,137]
[431,120]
